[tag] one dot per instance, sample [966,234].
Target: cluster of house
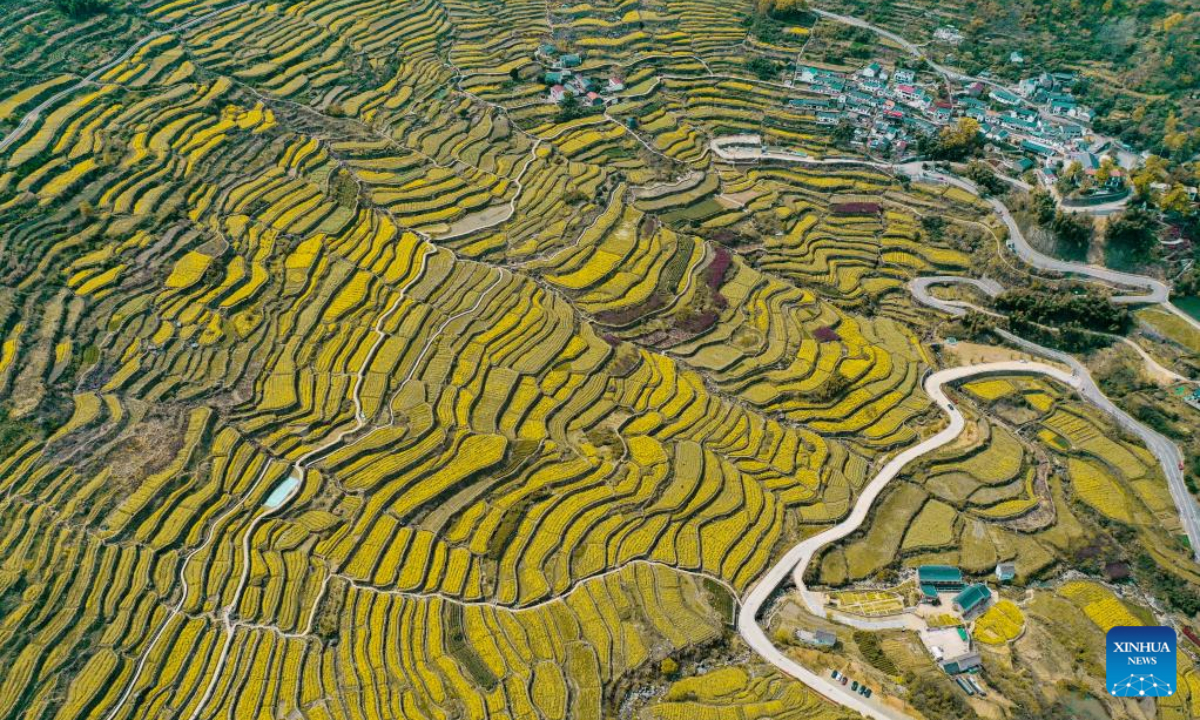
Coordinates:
[1053,91]
[890,110]
[564,80]
[951,648]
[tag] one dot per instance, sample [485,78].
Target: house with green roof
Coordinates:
[1004,96]
[1037,149]
[973,600]
[939,578]
[963,663]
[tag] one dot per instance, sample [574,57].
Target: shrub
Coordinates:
[81,9]
[763,68]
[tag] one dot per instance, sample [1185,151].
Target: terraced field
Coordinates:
[1032,474]
[351,380]
[344,375]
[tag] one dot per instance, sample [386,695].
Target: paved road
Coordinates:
[1166,451]
[919,287]
[797,559]
[1154,291]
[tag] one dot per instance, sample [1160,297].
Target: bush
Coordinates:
[81,9]
[1075,232]
[1087,310]
[982,175]
[936,699]
[1132,236]
[763,68]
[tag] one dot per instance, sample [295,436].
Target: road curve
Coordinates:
[1164,449]
[797,559]
[919,287]
[1156,291]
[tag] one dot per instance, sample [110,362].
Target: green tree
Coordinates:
[1177,201]
[1105,171]
[843,134]
[1075,232]
[81,9]
[1132,236]
[982,175]
[763,68]
[571,109]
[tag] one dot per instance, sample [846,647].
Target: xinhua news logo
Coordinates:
[1141,661]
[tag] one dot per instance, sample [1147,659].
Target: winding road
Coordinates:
[797,559]
[919,287]
[741,148]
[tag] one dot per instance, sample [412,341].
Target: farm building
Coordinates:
[962,663]
[973,600]
[1005,572]
[939,578]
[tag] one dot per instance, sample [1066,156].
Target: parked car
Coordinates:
[868,693]
[854,686]
[845,679]
[836,674]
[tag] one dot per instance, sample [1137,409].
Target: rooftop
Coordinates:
[970,598]
[939,573]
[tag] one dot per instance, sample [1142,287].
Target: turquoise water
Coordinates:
[281,491]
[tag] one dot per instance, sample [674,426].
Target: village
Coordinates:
[1037,126]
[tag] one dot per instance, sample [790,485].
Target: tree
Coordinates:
[1070,177]
[81,9]
[1074,231]
[1152,171]
[762,67]
[953,142]
[1105,171]
[982,175]
[571,109]
[782,9]
[1177,201]
[1132,236]
[843,134]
